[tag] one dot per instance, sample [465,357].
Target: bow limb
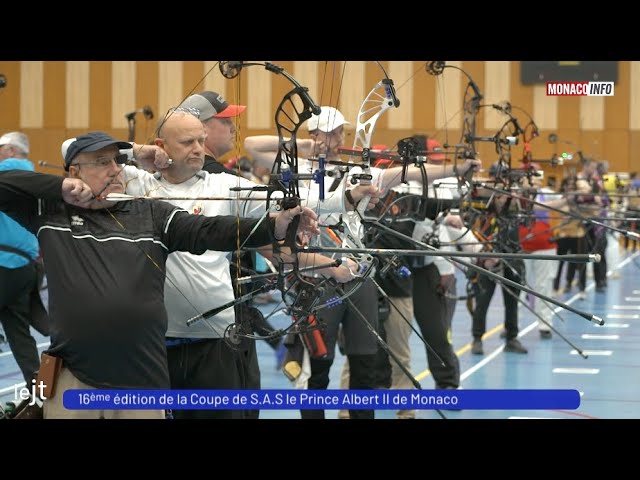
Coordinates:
[381,98]
[294,109]
[466,148]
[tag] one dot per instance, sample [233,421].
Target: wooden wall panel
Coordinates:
[78,98]
[633,161]
[330,83]
[100,95]
[123,98]
[477,71]
[192,78]
[616,150]
[424,109]
[146,91]
[280,86]
[545,109]
[521,95]
[11,95]
[402,117]
[591,113]
[213,79]
[634,96]
[52,101]
[170,85]
[32,94]
[353,90]
[307,75]
[259,112]
[55,94]
[497,81]
[569,113]
[618,107]
[448,99]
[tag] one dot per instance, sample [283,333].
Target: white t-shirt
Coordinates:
[204,279]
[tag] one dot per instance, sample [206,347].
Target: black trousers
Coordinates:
[486,286]
[572,245]
[360,346]
[597,240]
[15,291]
[362,376]
[433,312]
[205,365]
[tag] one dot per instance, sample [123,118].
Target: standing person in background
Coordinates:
[431,293]
[217,118]
[505,235]
[632,208]
[537,238]
[19,250]
[591,204]
[571,239]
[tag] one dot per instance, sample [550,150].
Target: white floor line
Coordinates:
[466,374]
[604,353]
[626,307]
[632,299]
[11,388]
[624,315]
[613,325]
[591,336]
[577,371]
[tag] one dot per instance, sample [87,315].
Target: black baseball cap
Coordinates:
[91,142]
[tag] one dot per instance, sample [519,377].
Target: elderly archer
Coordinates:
[105,267]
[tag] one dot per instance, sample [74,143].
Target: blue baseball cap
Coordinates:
[91,142]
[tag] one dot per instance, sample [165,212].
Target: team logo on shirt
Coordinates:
[198,209]
[77,221]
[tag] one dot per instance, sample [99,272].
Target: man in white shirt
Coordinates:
[327,136]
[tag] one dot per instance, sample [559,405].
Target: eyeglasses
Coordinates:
[104,162]
[190,110]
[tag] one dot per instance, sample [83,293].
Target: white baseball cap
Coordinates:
[65,146]
[329,119]
[17,139]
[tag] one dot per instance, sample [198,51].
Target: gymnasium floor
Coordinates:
[607,380]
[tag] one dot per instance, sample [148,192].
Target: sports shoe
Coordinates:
[476,347]
[513,345]
[545,334]
[449,387]
[582,295]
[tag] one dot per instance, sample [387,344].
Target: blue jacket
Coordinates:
[12,233]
